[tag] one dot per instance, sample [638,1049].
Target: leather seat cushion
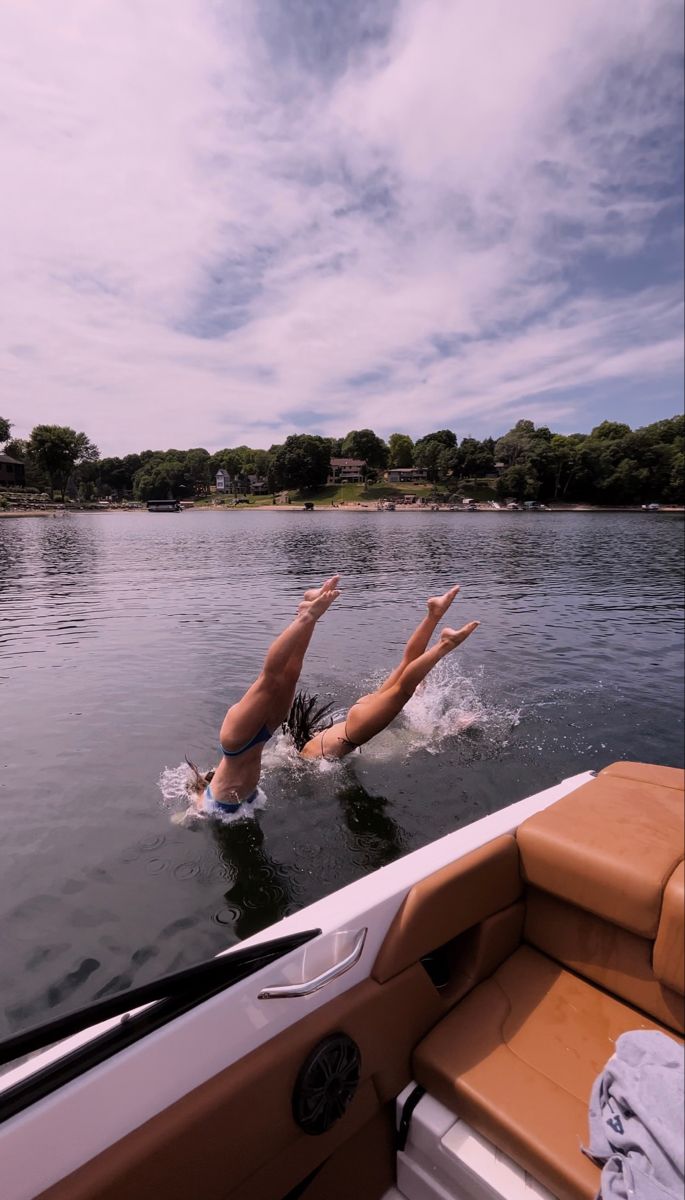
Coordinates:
[609,847]
[669,947]
[648,773]
[517,1059]
[619,961]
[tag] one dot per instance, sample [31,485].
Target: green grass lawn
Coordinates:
[360,493]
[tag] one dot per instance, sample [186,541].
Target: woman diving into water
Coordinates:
[375,711]
[271,702]
[250,723]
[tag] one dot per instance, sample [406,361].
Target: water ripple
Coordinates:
[123,638]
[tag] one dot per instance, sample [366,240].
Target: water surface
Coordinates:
[123,637]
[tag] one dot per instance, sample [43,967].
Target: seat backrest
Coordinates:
[457,898]
[603,867]
[669,947]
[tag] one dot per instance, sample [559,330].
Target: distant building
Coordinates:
[407,475]
[226,483]
[347,470]
[11,471]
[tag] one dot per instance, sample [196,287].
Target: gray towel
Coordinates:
[636,1119]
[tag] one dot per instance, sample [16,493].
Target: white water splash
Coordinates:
[447,705]
[174,784]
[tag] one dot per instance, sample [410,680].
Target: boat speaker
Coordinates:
[326,1083]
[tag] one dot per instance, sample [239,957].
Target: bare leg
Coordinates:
[269,698]
[373,713]
[437,607]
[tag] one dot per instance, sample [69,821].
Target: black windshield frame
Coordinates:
[168,998]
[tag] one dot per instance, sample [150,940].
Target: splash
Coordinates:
[447,705]
[174,783]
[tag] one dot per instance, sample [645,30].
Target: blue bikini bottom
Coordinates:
[213,806]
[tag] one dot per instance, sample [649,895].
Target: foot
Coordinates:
[322,599]
[438,605]
[451,638]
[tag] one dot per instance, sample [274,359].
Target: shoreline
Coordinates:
[371,507]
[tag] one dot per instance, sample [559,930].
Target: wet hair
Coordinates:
[305,718]
[200,779]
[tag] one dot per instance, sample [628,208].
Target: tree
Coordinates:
[676,484]
[609,431]
[363,443]
[514,447]
[401,450]
[163,479]
[5,427]
[198,470]
[475,458]
[428,451]
[427,454]
[303,461]
[445,437]
[447,464]
[57,450]
[518,482]
[566,463]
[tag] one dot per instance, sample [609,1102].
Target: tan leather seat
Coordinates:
[669,947]
[517,1059]
[610,846]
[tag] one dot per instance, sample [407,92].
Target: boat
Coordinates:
[429,1032]
[156,506]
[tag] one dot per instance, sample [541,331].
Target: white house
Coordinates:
[225,483]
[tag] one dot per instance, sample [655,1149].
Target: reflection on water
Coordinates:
[123,637]
[376,838]
[260,891]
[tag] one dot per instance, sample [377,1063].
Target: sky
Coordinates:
[226,221]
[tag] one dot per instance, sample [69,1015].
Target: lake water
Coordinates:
[123,637]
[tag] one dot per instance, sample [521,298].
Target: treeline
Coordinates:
[613,464]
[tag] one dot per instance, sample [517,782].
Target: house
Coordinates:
[11,471]
[407,475]
[223,481]
[259,486]
[346,470]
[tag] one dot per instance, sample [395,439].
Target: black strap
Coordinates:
[407,1113]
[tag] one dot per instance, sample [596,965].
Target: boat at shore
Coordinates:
[164,506]
[430,1031]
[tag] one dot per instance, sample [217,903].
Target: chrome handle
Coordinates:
[281,990]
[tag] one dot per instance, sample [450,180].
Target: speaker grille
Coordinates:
[326,1083]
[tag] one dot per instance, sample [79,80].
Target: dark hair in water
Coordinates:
[305,719]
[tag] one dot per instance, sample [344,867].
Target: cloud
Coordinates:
[227,222]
